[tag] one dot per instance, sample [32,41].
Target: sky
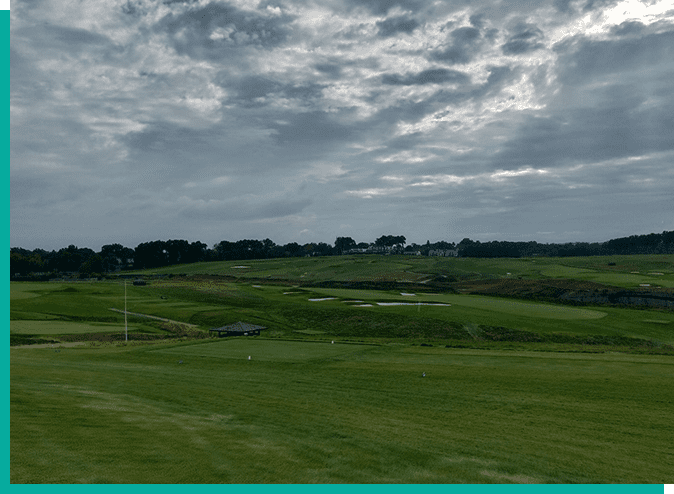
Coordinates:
[303,121]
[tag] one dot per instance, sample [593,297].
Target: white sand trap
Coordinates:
[256,286]
[239,267]
[408,294]
[644,284]
[656,274]
[412,303]
[364,305]
[321,299]
[634,272]
[352,301]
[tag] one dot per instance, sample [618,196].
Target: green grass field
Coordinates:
[62,327]
[515,391]
[624,271]
[317,412]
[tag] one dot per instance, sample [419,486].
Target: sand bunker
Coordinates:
[320,299]
[408,294]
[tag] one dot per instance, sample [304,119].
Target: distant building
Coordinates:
[237,329]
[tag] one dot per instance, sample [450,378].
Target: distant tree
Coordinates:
[93,265]
[24,264]
[197,252]
[390,241]
[177,251]
[150,255]
[324,249]
[343,244]
[293,249]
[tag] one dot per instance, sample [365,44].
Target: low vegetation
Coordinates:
[522,382]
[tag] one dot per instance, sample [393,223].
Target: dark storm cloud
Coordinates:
[296,119]
[597,4]
[76,37]
[498,77]
[311,129]
[462,45]
[582,59]
[477,20]
[562,5]
[133,8]
[66,40]
[526,39]
[213,31]
[330,69]
[395,25]
[255,87]
[412,111]
[620,128]
[627,28]
[578,6]
[164,136]
[382,7]
[429,76]
[243,209]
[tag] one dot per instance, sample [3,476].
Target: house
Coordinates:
[237,329]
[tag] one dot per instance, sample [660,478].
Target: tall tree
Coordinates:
[343,244]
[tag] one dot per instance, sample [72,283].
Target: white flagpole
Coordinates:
[126,330]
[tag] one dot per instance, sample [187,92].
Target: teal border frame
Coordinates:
[4,80]
[241,489]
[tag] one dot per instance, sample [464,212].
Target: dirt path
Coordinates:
[157,318]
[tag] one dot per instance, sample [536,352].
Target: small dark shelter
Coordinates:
[237,329]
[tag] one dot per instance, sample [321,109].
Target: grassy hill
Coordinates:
[517,388]
[622,271]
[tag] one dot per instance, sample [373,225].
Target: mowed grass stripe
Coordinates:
[135,415]
[266,350]
[64,327]
[530,309]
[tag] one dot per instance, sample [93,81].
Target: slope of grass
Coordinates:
[622,271]
[312,412]
[285,310]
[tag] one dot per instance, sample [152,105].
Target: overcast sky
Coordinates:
[301,121]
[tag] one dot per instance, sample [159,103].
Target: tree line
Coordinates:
[115,257]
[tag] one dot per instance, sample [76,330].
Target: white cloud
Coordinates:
[272,119]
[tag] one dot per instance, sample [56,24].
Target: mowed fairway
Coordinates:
[534,310]
[63,327]
[267,350]
[322,412]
